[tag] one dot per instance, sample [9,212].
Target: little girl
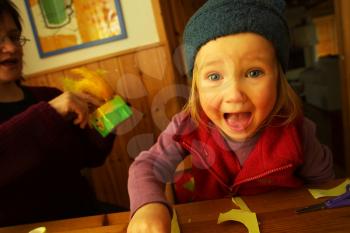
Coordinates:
[243,124]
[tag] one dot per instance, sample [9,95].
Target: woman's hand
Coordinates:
[151,218]
[80,104]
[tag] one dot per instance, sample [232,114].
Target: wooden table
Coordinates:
[275,212]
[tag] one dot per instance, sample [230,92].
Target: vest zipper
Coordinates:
[231,189]
[262,175]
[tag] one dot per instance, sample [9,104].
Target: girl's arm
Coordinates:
[150,211]
[152,169]
[318,160]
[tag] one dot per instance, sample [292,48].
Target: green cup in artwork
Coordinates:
[54,13]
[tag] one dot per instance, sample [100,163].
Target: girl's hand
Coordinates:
[150,218]
[79,104]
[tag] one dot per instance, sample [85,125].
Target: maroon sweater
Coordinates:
[41,156]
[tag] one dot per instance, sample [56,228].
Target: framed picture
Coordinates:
[60,26]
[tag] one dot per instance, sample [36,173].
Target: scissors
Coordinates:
[339,201]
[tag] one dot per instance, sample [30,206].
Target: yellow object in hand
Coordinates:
[90,82]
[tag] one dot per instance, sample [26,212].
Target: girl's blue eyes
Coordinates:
[214,77]
[249,74]
[254,73]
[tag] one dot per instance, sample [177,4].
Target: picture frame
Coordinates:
[61,26]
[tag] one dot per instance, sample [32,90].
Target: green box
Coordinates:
[109,115]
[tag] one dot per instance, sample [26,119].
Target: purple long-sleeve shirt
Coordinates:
[156,166]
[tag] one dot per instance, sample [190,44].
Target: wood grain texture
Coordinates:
[275,212]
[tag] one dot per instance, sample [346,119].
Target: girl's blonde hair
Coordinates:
[288,105]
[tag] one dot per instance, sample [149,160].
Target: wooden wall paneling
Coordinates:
[110,72]
[168,36]
[33,81]
[138,95]
[55,79]
[172,16]
[105,182]
[156,72]
[49,79]
[93,65]
[180,12]
[140,77]
[175,15]
[342,14]
[134,90]
[126,76]
[109,181]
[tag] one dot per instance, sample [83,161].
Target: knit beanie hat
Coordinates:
[217,18]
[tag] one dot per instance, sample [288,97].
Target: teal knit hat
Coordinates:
[218,18]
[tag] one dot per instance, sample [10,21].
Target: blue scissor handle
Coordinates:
[339,201]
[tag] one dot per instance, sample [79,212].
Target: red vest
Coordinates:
[217,173]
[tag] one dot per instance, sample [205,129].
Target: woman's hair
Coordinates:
[287,107]
[8,7]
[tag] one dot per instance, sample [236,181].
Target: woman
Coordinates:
[44,141]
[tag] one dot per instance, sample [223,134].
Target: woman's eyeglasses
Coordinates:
[17,40]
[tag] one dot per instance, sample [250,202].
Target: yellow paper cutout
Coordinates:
[174,223]
[242,215]
[336,191]
[246,217]
[38,230]
[240,203]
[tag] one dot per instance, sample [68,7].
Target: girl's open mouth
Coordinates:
[238,121]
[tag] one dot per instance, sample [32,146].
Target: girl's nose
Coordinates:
[234,92]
